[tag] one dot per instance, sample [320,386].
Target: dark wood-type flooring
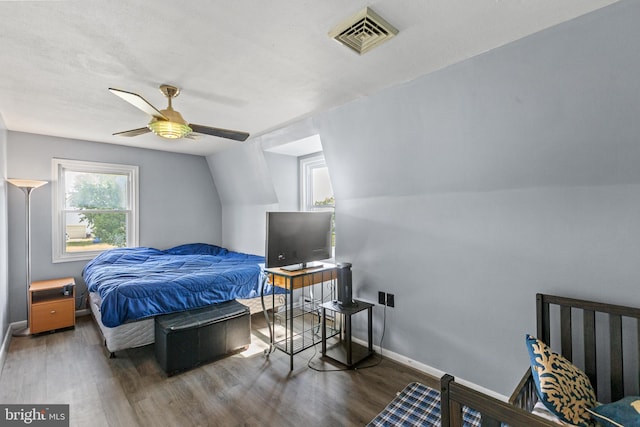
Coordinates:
[246,389]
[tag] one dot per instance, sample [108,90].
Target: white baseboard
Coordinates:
[4,348]
[419,366]
[17,325]
[6,341]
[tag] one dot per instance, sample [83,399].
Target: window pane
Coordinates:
[95,190]
[322,193]
[95,231]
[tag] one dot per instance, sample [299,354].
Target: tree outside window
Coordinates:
[99,199]
[95,208]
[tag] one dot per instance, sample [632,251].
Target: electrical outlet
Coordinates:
[382,298]
[391,300]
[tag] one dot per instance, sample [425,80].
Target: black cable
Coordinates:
[384,327]
[315,351]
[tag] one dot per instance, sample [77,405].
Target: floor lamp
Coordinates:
[27,185]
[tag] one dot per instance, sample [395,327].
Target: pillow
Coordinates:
[540,410]
[623,413]
[563,388]
[197,249]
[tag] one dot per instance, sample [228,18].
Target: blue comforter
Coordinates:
[135,283]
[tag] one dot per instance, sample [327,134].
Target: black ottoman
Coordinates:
[190,338]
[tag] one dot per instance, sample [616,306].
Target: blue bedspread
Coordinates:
[135,283]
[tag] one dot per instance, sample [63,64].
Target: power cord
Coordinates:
[315,351]
[81,301]
[384,327]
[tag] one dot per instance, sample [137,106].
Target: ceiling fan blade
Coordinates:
[133,132]
[222,133]
[139,102]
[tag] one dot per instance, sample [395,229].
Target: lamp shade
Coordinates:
[170,130]
[26,183]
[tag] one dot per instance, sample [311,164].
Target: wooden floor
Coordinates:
[246,389]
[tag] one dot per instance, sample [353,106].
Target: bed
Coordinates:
[419,405]
[603,340]
[128,287]
[453,404]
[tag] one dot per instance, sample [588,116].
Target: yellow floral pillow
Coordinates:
[562,387]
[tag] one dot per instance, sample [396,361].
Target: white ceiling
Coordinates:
[253,66]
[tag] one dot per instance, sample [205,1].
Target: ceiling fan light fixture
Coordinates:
[168,129]
[169,123]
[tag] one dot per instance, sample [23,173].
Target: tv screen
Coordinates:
[295,239]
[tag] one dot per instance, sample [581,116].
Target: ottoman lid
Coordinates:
[199,317]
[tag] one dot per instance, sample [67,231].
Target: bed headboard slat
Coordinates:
[590,358]
[637,377]
[565,332]
[542,319]
[617,377]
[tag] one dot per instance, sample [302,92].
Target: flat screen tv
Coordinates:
[295,240]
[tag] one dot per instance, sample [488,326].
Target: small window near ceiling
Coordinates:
[94,208]
[315,184]
[317,192]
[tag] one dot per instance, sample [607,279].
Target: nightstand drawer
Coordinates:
[47,316]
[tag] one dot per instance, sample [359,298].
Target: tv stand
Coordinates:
[301,324]
[302,266]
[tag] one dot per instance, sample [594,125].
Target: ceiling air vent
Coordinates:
[364,31]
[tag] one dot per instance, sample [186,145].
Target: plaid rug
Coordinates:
[418,405]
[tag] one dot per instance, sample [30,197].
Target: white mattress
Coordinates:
[128,335]
[141,332]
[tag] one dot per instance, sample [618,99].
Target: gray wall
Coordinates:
[4,284]
[284,171]
[246,192]
[468,190]
[178,203]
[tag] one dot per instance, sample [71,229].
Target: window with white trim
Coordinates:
[316,191]
[95,207]
[315,184]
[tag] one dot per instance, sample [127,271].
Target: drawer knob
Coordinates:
[53,312]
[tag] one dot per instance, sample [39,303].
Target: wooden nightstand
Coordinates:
[52,304]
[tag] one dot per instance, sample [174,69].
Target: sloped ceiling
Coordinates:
[245,65]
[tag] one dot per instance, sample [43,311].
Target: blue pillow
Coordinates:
[197,249]
[563,388]
[625,412]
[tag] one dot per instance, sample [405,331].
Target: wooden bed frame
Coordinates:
[453,396]
[602,330]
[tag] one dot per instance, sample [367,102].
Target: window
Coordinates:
[316,191]
[94,208]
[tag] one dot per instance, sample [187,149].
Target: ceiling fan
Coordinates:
[168,123]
